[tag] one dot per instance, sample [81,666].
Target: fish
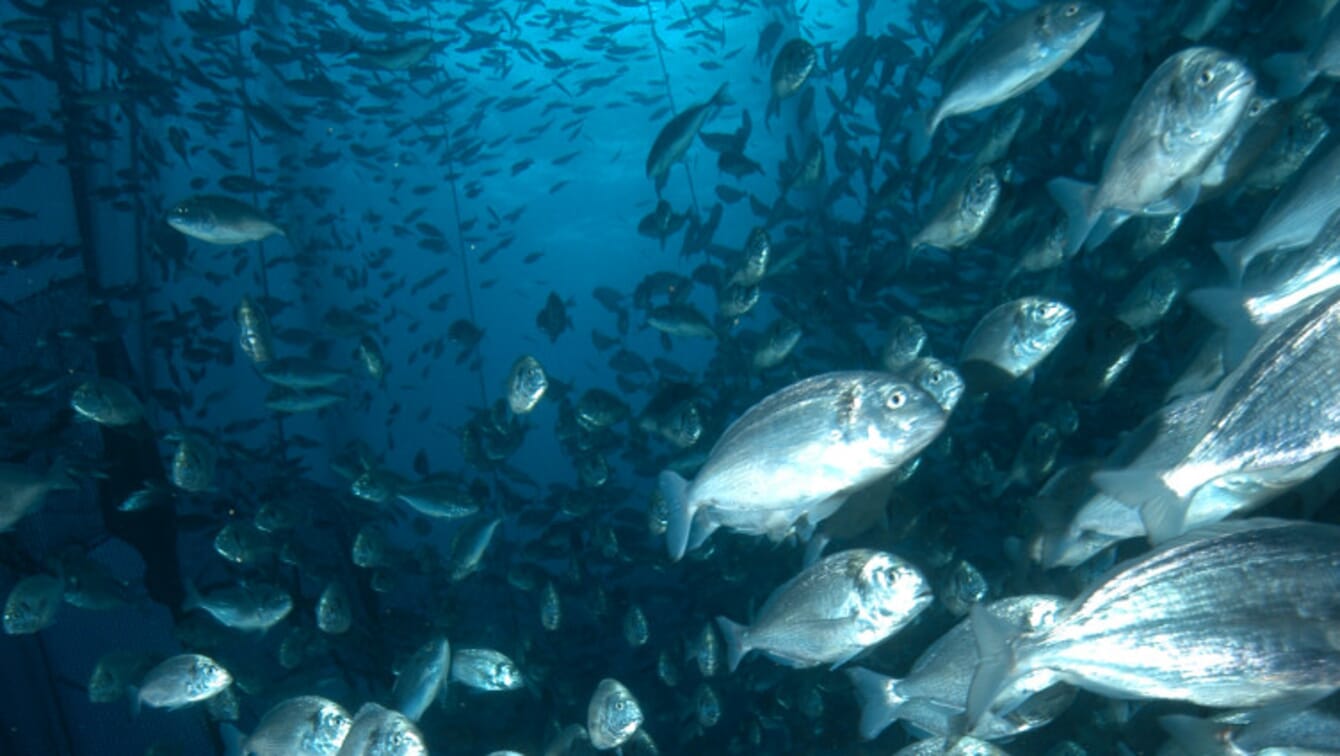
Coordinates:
[1178,120]
[300,726]
[794,457]
[334,611]
[791,69]
[32,604]
[469,547]
[553,320]
[1013,59]
[216,219]
[182,680]
[486,670]
[612,716]
[934,693]
[1271,412]
[839,607]
[300,373]
[1294,71]
[379,731]
[1293,219]
[964,214]
[1189,600]
[675,138]
[107,402]
[23,491]
[250,607]
[1012,339]
[422,677]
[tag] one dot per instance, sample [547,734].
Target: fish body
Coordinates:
[964,214]
[1014,337]
[1179,119]
[217,219]
[32,604]
[1239,614]
[676,136]
[832,611]
[797,455]
[612,716]
[485,669]
[301,726]
[526,384]
[379,731]
[422,678]
[183,680]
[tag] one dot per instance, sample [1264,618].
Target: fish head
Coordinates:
[1207,94]
[894,417]
[1042,323]
[892,591]
[939,380]
[208,677]
[981,192]
[1067,26]
[191,218]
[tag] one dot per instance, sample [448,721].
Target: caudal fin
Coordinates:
[1161,509]
[1075,198]
[1229,253]
[736,647]
[995,664]
[879,700]
[1227,309]
[920,132]
[679,513]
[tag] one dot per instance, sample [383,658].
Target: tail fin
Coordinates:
[1161,509]
[920,133]
[1290,72]
[995,663]
[674,490]
[722,96]
[1228,252]
[815,548]
[736,646]
[1227,309]
[193,599]
[1076,199]
[879,700]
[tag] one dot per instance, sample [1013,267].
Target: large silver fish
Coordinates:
[798,454]
[217,219]
[1275,411]
[1016,57]
[1177,122]
[1238,614]
[301,726]
[835,609]
[934,693]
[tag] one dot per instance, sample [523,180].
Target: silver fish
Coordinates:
[798,454]
[1238,614]
[964,214]
[32,604]
[1178,120]
[1014,58]
[1014,337]
[421,678]
[379,731]
[183,680]
[1274,411]
[1294,218]
[935,691]
[217,219]
[107,402]
[247,606]
[612,716]
[835,609]
[301,726]
[485,669]
[526,384]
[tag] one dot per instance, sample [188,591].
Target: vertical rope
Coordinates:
[460,235]
[670,95]
[255,198]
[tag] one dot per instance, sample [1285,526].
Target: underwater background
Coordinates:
[432,191]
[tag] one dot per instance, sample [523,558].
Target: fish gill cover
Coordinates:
[668,377]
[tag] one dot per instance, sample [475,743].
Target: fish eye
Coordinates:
[1071,10]
[896,399]
[1206,77]
[618,705]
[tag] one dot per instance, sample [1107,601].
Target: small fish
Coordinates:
[676,136]
[526,384]
[832,611]
[32,604]
[485,669]
[1011,339]
[181,681]
[107,402]
[612,716]
[379,731]
[217,219]
[251,607]
[301,726]
[334,613]
[421,678]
